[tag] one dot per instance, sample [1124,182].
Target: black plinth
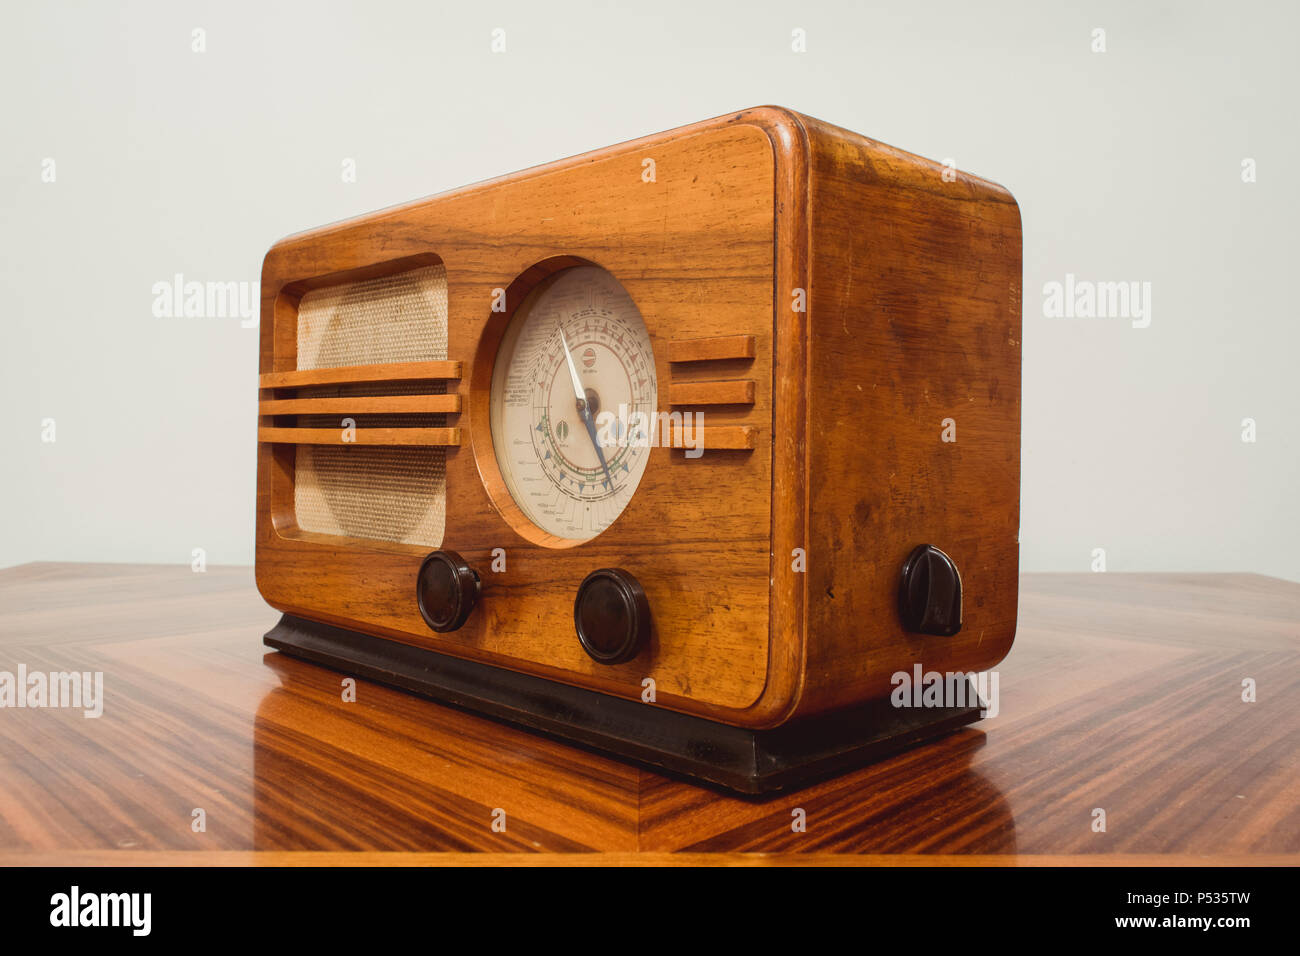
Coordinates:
[748,761]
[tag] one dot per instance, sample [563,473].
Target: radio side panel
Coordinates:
[914,411]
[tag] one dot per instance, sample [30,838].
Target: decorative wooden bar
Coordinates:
[413,437]
[711,393]
[715,347]
[714,437]
[348,374]
[367,404]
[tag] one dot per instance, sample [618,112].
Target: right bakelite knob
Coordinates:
[611,615]
[929,596]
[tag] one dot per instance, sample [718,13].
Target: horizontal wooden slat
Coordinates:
[367,404]
[396,372]
[711,393]
[716,437]
[361,436]
[718,347]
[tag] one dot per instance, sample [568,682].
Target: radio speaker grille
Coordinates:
[366,491]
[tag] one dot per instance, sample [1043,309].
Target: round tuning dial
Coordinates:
[446,590]
[612,616]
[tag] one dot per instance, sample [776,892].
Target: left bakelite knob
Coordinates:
[446,590]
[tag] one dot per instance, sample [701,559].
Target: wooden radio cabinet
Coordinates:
[761,373]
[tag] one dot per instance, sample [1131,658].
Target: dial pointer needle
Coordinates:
[578,391]
[591,430]
[584,411]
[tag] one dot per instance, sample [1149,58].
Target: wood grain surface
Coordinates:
[1122,692]
[830,303]
[700,253]
[915,307]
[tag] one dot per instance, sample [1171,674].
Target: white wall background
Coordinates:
[1126,164]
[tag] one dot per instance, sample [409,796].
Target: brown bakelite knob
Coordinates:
[929,597]
[611,615]
[446,590]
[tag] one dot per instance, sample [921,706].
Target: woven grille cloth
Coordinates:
[371,491]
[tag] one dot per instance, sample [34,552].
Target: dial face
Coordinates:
[572,388]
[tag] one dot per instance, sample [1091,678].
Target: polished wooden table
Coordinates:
[1123,693]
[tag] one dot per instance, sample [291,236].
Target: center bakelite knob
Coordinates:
[611,615]
[446,590]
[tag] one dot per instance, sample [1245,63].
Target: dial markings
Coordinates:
[575,362]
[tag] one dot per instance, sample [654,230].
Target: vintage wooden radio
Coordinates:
[681,449]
